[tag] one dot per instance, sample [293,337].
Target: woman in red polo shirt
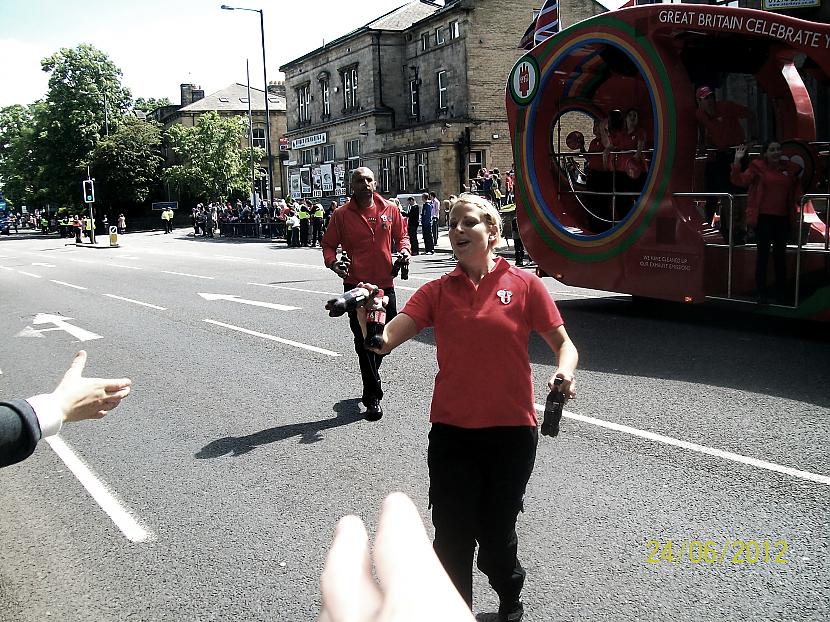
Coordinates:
[482,445]
[772,206]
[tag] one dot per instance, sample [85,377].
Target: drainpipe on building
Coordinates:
[464,144]
[382,105]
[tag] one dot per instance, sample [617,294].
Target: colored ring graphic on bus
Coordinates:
[524,80]
[534,185]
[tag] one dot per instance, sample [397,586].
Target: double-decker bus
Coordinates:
[649,235]
[5,216]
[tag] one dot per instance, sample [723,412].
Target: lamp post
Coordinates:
[267,109]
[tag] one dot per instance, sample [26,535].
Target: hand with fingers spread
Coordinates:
[412,584]
[82,398]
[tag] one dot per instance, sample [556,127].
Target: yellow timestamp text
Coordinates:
[717,552]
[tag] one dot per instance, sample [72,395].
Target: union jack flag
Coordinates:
[547,24]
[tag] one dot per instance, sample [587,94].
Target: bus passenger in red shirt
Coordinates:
[482,444]
[772,207]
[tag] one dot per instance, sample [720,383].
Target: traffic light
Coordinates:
[89,191]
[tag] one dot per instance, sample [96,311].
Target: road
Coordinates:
[243,442]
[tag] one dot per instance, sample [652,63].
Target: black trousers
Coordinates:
[772,230]
[413,239]
[477,484]
[304,231]
[429,243]
[369,361]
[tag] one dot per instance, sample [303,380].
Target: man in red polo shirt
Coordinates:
[365,227]
[720,130]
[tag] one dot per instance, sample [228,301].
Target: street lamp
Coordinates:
[267,109]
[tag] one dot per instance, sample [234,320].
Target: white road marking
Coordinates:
[138,302]
[296,265]
[409,289]
[253,303]
[7,269]
[6,257]
[272,338]
[710,451]
[67,284]
[45,265]
[61,322]
[232,258]
[37,276]
[118,265]
[106,499]
[297,289]
[80,260]
[194,276]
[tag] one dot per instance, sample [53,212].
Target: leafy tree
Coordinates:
[151,103]
[127,164]
[20,155]
[85,93]
[212,163]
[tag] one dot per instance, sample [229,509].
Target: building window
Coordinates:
[350,88]
[259,137]
[385,164]
[352,155]
[423,169]
[304,103]
[414,100]
[324,92]
[403,166]
[328,153]
[455,31]
[425,42]
[306,156]
[439,36]
[442,90]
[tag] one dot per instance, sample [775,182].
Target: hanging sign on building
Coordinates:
[340,179]
[309,141]
[283,143]
[328,178]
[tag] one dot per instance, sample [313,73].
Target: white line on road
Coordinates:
[232,258]
[138,302]
[119,515]
[296,289]
[118,265]
[37,276]
[296,265]
[80,260]
[45,265]
[296,344]
[67,284]
[194,276]
[409,289]
[711,451]
[7,269]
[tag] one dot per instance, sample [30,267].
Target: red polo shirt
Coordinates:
[366,235]
[481,338]
[723,129]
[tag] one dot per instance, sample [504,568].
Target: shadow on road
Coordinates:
[347,412]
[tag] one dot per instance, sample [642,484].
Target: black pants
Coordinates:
[477,484]
[413,239]
[316,231]
[429,243]
[304,231]
[519,250]
[369,361]
[772,230]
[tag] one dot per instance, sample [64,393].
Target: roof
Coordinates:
[234,98]
[396,20]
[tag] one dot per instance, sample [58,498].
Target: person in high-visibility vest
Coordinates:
[305,218]
[167,220]
[317,214]
[88,228]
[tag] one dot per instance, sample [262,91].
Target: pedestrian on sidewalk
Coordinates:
[426,224]
[413,219]
[482,445]
[365,228]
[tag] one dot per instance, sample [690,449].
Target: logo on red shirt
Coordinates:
[505,296]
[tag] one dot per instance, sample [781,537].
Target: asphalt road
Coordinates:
[237,452]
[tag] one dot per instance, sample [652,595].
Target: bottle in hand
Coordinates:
[553,409]
[401,266]
[348,301]
[375,321]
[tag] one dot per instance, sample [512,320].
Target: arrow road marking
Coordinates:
[61,323]
[296,344]
[710,451]
[122,518]
[255,303]
[138,302]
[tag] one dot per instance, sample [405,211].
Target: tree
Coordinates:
[212,163]
[21,173]
[85,99]
[151,103]
[127,164]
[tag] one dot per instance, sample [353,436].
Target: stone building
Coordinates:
[417,95]
[233,101]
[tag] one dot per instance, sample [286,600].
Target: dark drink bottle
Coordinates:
[348,301]
[553,409]
[375,321]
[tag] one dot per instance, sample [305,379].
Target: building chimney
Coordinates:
[198,94]
[186,94]
[276,87]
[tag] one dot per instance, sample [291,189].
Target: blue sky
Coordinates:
[159,44]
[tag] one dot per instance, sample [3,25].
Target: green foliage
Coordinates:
[84,91]
[211,162]
[151,103]
[127,164]
[20,152]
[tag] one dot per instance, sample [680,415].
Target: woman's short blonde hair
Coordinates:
[489,213]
